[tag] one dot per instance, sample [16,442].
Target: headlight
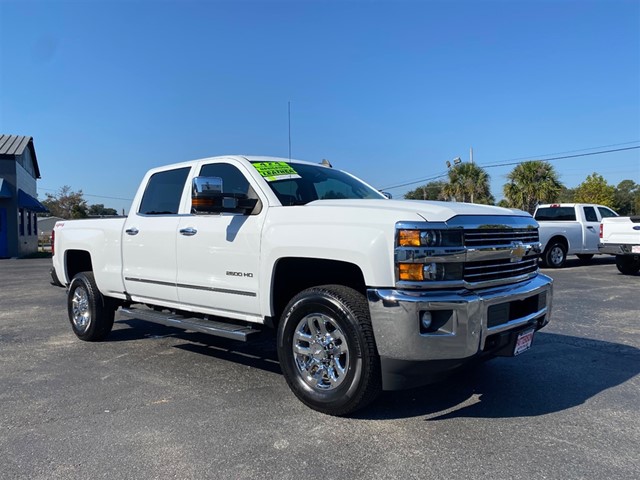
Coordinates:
[429,238]
[429,255]
[429,272]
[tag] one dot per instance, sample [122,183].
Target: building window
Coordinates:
[28,223]
[21,215]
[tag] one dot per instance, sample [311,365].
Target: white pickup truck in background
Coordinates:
[620,236]
[569,229]
[366,293]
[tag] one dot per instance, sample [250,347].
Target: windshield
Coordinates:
[298,183]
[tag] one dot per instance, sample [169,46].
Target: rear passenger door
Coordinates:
[590,229]
[149,239]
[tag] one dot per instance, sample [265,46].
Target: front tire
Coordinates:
[627,265]
[327,350]
[90,314]
[555,255]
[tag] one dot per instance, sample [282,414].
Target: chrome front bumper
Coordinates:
[464,320]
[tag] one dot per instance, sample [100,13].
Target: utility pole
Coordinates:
[471,154]
[289,115]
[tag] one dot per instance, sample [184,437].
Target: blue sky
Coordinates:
[386,90]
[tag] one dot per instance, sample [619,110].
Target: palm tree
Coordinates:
[531,183]
[468,183]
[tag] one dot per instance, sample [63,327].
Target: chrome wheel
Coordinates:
[81,315]
[320,351]
[557,255]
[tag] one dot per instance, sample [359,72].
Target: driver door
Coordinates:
[219,254]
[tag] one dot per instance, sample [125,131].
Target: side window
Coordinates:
[233,181]
[606,213]
[590,214]
[556,214]
[163,193]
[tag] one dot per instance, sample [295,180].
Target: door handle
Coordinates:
[189,231]
[591,228]
[132,231]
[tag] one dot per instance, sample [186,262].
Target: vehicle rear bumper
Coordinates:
[466,324]
[617,248]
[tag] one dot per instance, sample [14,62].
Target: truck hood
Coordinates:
[429,210]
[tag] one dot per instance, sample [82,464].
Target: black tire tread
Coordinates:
[356,303]
[626,265]
[547,253]
[102,310]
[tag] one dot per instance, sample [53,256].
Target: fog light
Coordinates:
[425,320]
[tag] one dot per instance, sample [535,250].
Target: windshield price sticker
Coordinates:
[272,171]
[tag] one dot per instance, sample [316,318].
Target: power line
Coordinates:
[89,195]
[566,156]
[517,161]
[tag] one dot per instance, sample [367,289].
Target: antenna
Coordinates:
[289,112]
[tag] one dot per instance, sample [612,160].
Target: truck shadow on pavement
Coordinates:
[575,262]
[558,373]
[258,353]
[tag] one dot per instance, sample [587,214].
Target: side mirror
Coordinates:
[387,194]
[207,196]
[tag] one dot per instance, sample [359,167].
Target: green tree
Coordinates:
[66,203]
[626,196]
[531,183]
[567,195]
[468,183]
[595,189]
[430,191]
[99,210]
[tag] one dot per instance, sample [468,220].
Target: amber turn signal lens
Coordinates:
[411,272]
[409,238]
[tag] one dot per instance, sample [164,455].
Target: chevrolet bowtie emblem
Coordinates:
[518,250]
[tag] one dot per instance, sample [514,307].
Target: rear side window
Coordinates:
[606,213]
[566,214]
[163,193]
[590,214]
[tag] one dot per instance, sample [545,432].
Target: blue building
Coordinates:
[18,205]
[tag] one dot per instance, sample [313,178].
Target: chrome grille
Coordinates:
[499,269]
[483,237]
[477,272]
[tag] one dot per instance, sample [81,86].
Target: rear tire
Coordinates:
[555,255]
[584,257]
[627,265]
[90,314]
[327,350]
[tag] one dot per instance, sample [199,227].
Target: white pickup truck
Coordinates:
[366,293]
[620,236]
[569,229]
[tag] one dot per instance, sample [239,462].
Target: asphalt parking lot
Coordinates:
[155,402]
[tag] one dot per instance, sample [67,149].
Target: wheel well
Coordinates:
[292,275]
[77,261]
[557,239]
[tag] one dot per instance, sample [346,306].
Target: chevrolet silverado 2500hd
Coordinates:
[366,293]
[620,236]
